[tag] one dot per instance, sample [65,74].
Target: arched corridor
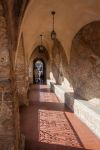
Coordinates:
[47,124]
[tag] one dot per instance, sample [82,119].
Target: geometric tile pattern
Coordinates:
[55,129]
[48,125]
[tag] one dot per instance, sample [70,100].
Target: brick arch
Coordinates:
[85,61]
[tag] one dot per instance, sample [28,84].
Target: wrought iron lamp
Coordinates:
[53,33]
[41,47]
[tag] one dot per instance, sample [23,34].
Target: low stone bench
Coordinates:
[60,91]
[88,113]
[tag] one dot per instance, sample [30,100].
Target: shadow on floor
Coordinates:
[30,145]
[51,106]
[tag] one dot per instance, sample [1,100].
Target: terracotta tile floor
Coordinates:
[48,125]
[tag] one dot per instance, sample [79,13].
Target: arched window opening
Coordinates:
[39,72]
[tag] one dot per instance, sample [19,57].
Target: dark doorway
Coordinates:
[39,71]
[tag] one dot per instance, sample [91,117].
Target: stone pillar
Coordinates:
[20,72]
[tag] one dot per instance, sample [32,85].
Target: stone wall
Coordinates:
[85,62]
[7,134]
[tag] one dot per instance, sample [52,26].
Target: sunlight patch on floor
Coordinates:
[55,129]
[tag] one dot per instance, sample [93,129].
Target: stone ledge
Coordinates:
[88,114]
[84,110]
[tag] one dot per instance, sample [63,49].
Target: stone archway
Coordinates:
[44,57]
[44,69]
[85,62]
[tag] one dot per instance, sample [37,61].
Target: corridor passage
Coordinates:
[48,125]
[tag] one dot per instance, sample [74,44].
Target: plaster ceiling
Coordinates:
[71,16]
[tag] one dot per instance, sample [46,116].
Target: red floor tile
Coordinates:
[48,124]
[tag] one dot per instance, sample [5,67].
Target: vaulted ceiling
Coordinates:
[71,15]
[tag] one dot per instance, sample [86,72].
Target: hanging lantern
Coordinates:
[41,47]
[53,33]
